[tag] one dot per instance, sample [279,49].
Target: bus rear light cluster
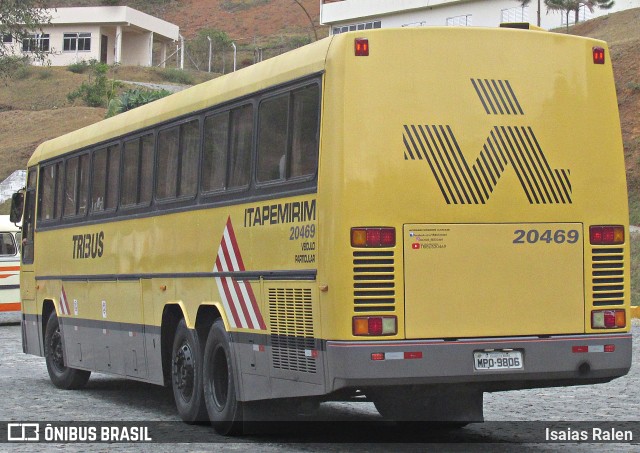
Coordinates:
[606,234]
[373,237]
[608,319]
[594,348]
[374,325]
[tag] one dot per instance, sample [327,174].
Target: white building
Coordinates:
[349,15]
[110,34]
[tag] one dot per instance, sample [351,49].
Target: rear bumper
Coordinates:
[549,361]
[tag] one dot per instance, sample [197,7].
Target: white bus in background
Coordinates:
[9,265]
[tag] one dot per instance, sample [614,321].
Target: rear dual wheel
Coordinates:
[186,374]
[225,411]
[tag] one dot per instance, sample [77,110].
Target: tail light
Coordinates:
[373,237]
[375,325]
[598,55]
[606,234]
[608,319]
[361,47]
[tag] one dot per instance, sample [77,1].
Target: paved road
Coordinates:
[28,395]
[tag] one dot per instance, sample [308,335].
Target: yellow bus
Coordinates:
[412,216]
[9,265]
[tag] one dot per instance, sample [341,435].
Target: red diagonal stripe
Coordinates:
[254,304]
[234,243]
[225,288]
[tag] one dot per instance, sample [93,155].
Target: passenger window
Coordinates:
[71,184]
[46,209]
[306,130]
[273,118]
[216,144]
[241,143]
[137,175]
[104,187]
[178,152]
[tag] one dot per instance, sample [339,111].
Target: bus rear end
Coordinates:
[482,218]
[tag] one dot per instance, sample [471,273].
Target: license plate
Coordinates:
[497,360]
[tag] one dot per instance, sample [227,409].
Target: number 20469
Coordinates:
[546,236]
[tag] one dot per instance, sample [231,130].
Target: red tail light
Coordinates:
[362,47]
[598,55]
[373,237]
[606,234]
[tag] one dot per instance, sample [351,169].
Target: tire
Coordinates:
[62,376]
[225,411]
[186,375]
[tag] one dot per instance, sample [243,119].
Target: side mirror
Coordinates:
[17,207]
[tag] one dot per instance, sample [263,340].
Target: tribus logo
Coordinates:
[515,146]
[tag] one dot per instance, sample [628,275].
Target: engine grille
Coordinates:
[374,281]
[607,271]
[292,335]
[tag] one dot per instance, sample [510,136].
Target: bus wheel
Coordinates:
[62,376]
[186,374]
[225,411]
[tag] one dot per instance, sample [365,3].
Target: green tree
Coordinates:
[19,20]
[98,90]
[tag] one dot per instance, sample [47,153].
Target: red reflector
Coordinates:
[609,348]
[598,55]
[377,356]
[413,355]
[362,47]
[579,349]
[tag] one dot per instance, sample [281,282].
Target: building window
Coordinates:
[459,21]
[35,43]
[76,42]
[354,27]
[7,39]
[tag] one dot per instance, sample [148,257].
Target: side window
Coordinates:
[241,135]
[105,176]
[288,132]
[76,194]
[216,144]
[168,150]
[47,205]
[29,217]
[305,132]
[137,175]
[178,152]
[273,118]
[7,244]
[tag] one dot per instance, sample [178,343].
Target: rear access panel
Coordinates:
[468,280]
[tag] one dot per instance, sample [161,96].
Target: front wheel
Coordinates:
[225,411]
[62,376]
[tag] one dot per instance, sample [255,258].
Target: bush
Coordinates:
[177,76]
[78,68]
[131,99]
[98,90]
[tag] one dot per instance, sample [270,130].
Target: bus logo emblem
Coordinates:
[462,182]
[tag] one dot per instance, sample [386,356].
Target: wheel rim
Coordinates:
[220,378]
[183,373]
[55,347]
